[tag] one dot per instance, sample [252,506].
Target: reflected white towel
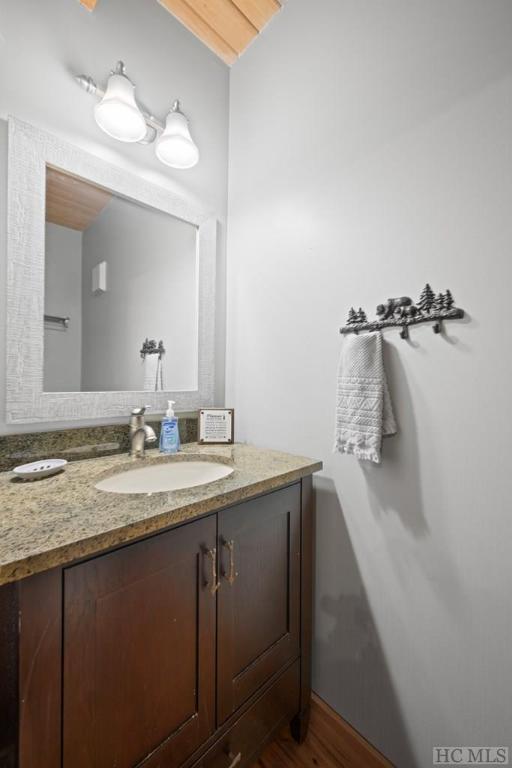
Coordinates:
[153,373]
[364,414]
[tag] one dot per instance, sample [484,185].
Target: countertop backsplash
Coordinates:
[81,443]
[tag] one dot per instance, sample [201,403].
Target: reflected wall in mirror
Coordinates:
[116,273]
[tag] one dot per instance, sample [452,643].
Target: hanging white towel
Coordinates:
[153,373]
[364,414]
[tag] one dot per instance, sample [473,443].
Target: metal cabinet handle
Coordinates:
[212,554]
[230,546]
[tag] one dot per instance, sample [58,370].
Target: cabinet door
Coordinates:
[139,652]
[258,601]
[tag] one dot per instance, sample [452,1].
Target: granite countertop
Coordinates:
[53,521]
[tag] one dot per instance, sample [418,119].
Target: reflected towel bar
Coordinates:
[64,321]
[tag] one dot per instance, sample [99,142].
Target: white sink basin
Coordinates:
[165,477]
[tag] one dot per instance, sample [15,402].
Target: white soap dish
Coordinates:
[38,469]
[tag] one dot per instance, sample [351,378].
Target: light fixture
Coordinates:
[117,113]
[175,146]
[122,118]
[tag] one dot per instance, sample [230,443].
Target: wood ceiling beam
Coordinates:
[227,20]
[199,27]
[227,27]
[259,12]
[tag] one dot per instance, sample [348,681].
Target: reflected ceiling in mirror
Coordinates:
[117,272]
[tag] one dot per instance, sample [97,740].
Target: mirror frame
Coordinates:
[31,150]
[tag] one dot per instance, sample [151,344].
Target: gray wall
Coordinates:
[370,152]
[43,44]
[151,292]
[63,298]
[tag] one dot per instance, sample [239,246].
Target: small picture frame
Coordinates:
[216,426]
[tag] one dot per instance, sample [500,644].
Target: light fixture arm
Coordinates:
[119,69]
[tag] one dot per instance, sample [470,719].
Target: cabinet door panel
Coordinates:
[139,641]
[258,613]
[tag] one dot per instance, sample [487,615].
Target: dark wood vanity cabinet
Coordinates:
[258,627]
[139,652]
[187,649]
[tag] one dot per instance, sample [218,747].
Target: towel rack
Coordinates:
[150,347]
[402,312]
[64,321]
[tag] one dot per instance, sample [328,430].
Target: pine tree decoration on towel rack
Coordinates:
[402,312]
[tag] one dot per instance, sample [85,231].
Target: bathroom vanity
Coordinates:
[155,630]
[141,625]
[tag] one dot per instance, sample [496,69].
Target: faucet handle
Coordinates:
[140,411]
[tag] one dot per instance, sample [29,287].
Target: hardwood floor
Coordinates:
[331,743]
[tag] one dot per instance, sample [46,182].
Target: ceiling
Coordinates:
[227,27]
[72,202]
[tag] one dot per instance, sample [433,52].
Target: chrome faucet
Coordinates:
[140,433]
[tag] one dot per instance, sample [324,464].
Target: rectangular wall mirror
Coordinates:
[116,273]
[110,288]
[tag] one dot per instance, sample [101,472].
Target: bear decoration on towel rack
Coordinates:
[402,312]
[150,347]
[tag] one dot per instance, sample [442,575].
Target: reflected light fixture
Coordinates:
[120,116]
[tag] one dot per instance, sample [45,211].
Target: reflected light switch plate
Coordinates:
[99,277]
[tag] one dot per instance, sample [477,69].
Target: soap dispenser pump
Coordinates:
[169,432]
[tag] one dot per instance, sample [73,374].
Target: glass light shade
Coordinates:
[117,113]
[175,147]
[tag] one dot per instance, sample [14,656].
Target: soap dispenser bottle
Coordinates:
[169,432]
